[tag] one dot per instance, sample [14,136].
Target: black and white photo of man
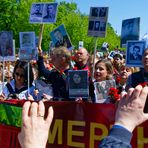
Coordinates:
[102,26]
[95,12]
[97,25]
[50,12]
[136,53]
[37,11]
[102,12]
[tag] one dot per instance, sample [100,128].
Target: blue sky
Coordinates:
[118,11]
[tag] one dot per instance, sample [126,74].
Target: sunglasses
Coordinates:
[19,75]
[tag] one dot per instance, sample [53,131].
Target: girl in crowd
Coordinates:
[103,71]
[124,73]
[18,86]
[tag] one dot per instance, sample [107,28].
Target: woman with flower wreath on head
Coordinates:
[103,72]
[17,88]
[140,77]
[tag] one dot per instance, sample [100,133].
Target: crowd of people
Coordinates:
[54,70]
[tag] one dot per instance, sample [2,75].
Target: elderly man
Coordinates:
[57,77]
[81,59]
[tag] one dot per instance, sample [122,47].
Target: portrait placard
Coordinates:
[78,83]
[43,13]
[111,54]
[27,39]
[134,52]
[7,47]
[43,88]
[81,44]
[28,49]
[130,30]
[60,37]
[98,21]
[102,89]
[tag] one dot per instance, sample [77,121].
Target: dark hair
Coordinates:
[136,47]
[117,55]
[108,65]
[24,66]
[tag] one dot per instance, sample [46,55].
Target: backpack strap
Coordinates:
[10,88]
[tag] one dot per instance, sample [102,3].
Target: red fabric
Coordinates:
[99,115]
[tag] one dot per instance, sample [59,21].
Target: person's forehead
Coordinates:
[100,64]
[116,58]
[146,52]
[57,32]
[136,48]
[50,6]
[125,67]
[82,50]
[37,6]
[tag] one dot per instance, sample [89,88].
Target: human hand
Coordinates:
[47,97]
[2,97]
[130,113]
[30,97]
[36,92]
[39,50]
[79,99]
[34,131]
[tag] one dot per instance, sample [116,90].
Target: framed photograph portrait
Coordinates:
[111,54]
[102,89]
[7,50]
[27,39]
[43,12]
[81,44]
[36,12]
[103,11]
[97,21]
[28,50]
[130,30]
[94,12]
[60,37]
[134,52]
[78,83]
[50,13]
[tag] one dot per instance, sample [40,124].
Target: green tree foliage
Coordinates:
[15,17]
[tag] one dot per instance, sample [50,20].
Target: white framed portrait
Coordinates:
[28,50]
[43,12]
[7,46]
[134,52]
[27,39]
[50,12]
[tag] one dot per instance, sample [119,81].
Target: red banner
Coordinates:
[80,125]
